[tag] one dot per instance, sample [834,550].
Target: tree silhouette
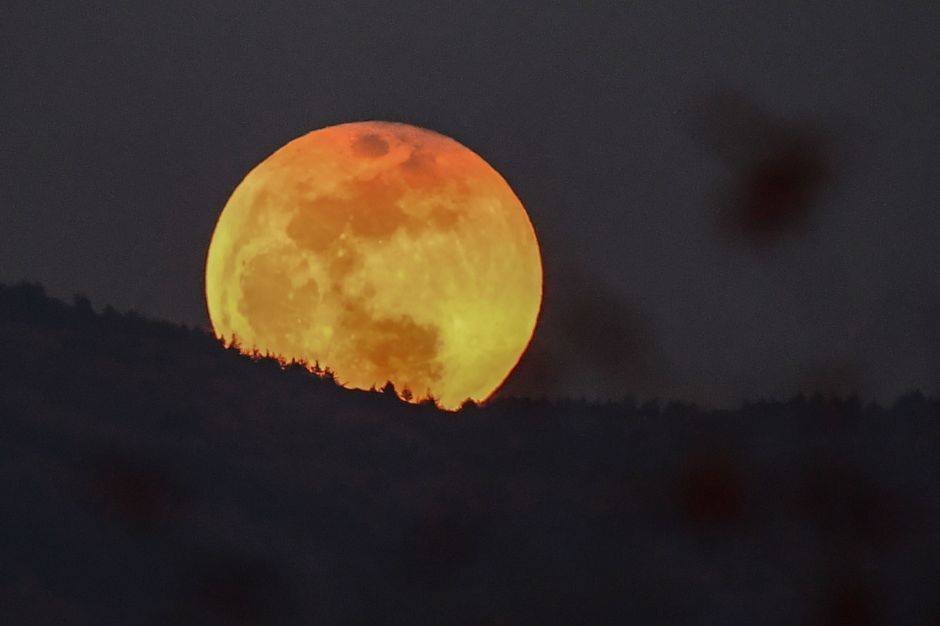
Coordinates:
[389,390]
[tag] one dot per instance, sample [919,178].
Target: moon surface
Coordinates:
[385,252]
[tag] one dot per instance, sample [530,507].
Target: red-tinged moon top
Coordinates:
[385,252]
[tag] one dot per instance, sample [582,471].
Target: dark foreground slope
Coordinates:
[149,476]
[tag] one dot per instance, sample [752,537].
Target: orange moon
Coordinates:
[385,252]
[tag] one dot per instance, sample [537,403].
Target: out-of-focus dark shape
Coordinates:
[849,506]
[588,340]
[851,601]
[232,588]
[131,493]
[838,378]
[778,169]
[711,489]
[439,545]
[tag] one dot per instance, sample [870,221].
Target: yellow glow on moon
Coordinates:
[385,252]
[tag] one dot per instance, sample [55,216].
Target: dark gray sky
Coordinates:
[734,199]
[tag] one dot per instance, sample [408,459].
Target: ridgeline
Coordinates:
[150,475]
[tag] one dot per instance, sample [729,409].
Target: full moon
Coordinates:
[384,252]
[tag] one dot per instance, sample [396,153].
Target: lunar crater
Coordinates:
[370,145]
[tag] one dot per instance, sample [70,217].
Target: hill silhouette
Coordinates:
[150,475]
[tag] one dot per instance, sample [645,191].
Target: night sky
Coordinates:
[733,201]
